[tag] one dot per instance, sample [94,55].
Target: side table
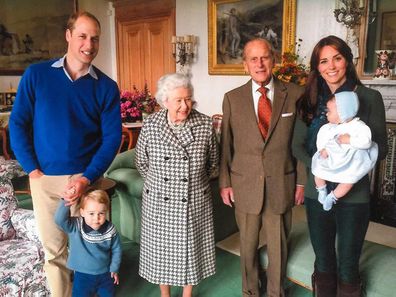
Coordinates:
[107,185]
[131,132]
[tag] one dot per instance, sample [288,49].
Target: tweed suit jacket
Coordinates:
[254,168]
[177,237]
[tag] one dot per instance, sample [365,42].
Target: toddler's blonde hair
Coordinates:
[99,196]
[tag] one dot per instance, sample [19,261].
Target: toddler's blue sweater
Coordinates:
[92,252]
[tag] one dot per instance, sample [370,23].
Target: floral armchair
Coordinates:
[21,253]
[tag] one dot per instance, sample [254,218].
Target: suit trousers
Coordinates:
[46,194]
[272,230]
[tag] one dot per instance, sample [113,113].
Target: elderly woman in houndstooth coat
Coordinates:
[176,152]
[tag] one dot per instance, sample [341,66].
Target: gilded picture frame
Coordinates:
[231,23]
[32,31]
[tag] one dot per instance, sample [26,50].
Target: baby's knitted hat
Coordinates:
[347,105]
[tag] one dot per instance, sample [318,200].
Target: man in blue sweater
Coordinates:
[65,130]
[95,247]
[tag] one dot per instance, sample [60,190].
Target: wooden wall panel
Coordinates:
[157,65]
[144,32]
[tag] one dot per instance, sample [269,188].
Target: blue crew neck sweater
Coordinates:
[65,127]
[91,251]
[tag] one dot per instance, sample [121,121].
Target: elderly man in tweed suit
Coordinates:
[257,171]
[176,153]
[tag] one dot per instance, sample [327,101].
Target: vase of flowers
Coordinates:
[291,69]
[135,104]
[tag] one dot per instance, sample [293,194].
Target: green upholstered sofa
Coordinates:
[377,263]
[129,192]
[21,187]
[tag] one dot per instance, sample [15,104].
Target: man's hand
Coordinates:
[299,195]
[227,195]
[74,189]
[115,276]
[36,173]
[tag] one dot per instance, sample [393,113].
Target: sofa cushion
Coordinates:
[21,272]
[377,263]
[130,179]
[10,169]
[8,204]
[25,225]
[378,270]
[300,262]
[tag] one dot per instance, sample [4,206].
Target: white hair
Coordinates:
[170,82]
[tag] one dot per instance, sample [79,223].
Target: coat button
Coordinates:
[166,198]
[147,191]
[166,158]
[166,179]
[185,158]
[184,180]
[184,200]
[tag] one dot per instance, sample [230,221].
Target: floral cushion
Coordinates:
[21,272]
[21,253]
[25,225]
[10,168]
[8,203]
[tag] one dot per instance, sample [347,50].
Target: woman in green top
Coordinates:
[332,71]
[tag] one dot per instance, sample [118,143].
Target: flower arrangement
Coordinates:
[135,104]
[291,69]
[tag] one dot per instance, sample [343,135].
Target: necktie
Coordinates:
[264,111]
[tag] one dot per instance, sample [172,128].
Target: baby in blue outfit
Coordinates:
[345,152]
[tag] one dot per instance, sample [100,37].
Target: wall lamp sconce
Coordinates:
[350,14]
[183,48]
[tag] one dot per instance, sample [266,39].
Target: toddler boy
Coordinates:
[95,246]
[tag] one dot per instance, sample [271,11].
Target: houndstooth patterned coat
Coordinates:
[177,237]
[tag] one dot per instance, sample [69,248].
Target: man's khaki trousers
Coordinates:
[46,194]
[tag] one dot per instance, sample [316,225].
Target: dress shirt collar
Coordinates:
[61,64]
[269,86]
[256,94]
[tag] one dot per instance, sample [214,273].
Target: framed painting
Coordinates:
[388,30]
[32,31]
[234,22]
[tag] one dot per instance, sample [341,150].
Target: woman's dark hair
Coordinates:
[308,102]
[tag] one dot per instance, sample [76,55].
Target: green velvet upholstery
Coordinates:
[377,263]
[21,188]
[129,191]
[378,270]
[223,215]
[25,201]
